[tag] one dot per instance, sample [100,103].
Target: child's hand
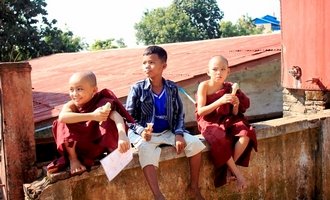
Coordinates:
[106,107]
[100,114]
[123,144]
[180,144]
[235,103]
[229,98]
[226,98]
[235,100]
[146,134]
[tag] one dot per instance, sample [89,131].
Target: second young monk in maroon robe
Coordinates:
[221,129]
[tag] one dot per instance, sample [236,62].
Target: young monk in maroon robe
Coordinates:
[85,130]
[221,121]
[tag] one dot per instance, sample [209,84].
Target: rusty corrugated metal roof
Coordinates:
[118,69]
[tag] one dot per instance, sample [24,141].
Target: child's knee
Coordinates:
[193,147]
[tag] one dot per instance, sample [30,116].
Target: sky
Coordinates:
[105,19]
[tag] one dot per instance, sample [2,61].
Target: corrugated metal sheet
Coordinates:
[118,69]
[306,42]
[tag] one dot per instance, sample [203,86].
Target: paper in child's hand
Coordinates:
[115,162]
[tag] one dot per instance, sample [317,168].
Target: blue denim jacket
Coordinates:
[140,105]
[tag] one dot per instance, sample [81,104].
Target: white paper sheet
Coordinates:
[115,162]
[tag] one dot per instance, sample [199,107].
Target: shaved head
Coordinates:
[87,76]
[219,59]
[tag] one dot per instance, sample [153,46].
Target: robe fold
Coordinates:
[92,138]
[221,129]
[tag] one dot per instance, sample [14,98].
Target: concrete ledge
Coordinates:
[264,129]
[287,166]
[168,153]
[280,126]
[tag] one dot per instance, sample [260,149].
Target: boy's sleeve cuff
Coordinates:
[139,130]
[179,133]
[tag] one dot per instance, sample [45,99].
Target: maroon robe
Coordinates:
[92,138]
[221,129]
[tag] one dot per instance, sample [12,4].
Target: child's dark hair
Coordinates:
[156,50]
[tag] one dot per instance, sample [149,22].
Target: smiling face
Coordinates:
[218,69]
[82,88]
[153,66]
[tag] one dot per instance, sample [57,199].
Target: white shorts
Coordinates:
[149,151]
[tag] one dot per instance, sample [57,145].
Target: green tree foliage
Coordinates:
[205,16]
[243,26]
[184,20]
[121,43]
[107,44]
[228,29]
[26,33]
[59,41]
[165,25]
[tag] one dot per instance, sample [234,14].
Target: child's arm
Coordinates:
[244,102]
[69,114]
[123,141]
[235,105]
[180,143]
[203,109]
[235,102]
[179,124]
[134,109]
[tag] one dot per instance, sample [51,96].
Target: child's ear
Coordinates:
[164,65]
[208,72]
[95,89]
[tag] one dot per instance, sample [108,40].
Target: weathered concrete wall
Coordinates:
[325,160]
[17,145]
[293,162]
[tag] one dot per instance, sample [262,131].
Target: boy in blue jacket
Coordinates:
[156,106]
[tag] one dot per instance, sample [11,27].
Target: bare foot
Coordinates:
[241,183]
[230,176]
[76,168]
[194,193]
